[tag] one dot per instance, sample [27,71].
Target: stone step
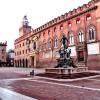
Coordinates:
[80,65]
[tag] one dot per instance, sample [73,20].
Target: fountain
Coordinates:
[65,59]
[65,68]
[65,64]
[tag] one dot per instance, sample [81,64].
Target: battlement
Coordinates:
[90,6]
[67,16]
[3,43]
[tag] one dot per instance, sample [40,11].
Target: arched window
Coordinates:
[48,32]
[43,33]
[88,17]
[55,42]
[55,29]
[34,45]
[44,44]
[40,46]
[80,36]
[91,33]
[61,27]
[49,43]
[71,38]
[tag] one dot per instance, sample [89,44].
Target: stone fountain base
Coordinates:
[69,70]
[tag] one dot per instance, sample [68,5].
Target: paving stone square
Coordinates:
[39,88]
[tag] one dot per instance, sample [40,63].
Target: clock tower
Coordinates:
[25,21]
[25,28]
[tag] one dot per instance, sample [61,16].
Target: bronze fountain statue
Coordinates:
[65,59]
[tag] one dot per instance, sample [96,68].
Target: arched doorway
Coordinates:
[20,62]
[80,56]
[32,61]
[15,63]
[23,63]
[26,63]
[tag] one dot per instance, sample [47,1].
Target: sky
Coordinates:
[38,13]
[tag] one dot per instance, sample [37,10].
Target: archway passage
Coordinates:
[26,63]
[20,63]
[32,61]
[81,54]
[23,63]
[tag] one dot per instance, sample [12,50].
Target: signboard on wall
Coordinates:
[93,48]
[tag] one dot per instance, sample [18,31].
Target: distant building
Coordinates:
[38,47]
[10,58]
[22,48]
[3,47]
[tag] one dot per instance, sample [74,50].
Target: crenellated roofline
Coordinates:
[3,43]
[90,6]
[67,16]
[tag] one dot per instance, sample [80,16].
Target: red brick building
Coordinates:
[3,47]
[81,26]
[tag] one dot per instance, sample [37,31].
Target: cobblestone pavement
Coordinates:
[46,89]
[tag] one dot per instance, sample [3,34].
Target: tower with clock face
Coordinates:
[25,21]
[25,28]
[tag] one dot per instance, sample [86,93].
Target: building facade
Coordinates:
[10,58]
[82,28]
[21,44]
[3,47]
